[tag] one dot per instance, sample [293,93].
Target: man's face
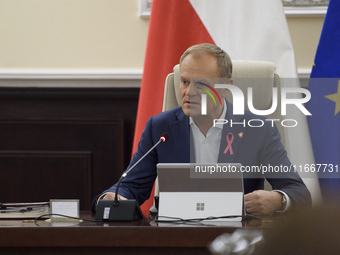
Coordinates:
[203,68]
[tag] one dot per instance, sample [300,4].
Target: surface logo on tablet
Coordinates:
[199,206]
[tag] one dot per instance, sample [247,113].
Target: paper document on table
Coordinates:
[23,210]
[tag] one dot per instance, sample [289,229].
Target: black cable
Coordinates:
[62,215]
[180,220]
[176,219]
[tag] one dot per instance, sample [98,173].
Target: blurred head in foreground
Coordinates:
[311,232]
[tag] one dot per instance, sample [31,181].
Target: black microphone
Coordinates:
[124,210]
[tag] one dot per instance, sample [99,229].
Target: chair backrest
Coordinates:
[259,75]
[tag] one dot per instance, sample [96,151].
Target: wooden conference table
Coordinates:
[142,237]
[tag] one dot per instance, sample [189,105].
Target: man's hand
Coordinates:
[262,202]
[111,196]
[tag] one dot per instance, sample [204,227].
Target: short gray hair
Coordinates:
[224,62]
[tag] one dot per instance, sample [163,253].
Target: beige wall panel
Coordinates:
[98,34]
[71,34]
[305,34]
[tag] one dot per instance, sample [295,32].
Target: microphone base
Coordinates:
[126,210]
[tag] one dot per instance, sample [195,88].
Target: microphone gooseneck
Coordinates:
[164,137]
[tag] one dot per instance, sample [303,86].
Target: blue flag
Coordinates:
[324,124]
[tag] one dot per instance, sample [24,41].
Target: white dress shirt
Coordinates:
[206,150]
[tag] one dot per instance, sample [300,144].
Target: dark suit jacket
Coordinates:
[260,145]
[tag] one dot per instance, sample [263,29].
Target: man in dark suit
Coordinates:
[246,145]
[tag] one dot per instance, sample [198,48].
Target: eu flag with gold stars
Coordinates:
[324,124]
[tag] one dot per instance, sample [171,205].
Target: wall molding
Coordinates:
[304,73]
[319,11]
[144,9]
[81,74]
[90,78]
[311,11]
[72,74]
